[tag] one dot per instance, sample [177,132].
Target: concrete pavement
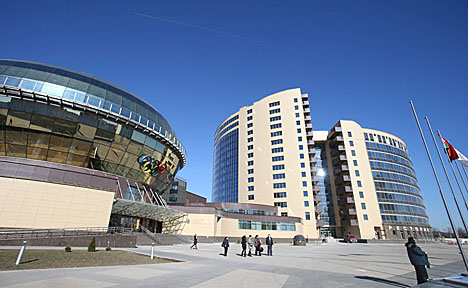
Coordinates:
[322,265]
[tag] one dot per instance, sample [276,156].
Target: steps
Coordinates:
[146,238]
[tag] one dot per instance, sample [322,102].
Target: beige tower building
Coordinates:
[264,155]
[373,185]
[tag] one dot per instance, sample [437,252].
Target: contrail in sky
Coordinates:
[214,31]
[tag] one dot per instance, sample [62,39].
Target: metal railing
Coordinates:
[13,233]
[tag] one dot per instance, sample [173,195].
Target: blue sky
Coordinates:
[198,62]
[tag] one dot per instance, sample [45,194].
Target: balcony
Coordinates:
[349,222]
[348,212]
[308,126]
[310,142]
[317,198]
[314,169]
[320,223]
[342,179]
[346,201]
[316,189]
[343,190]
[318,209]
[315,179]
[309,134]
[307,118]
[339,159]
[313,160]
[340,169]
[338,129]
[306,110]
[312,151]
[305,103]
[305,96]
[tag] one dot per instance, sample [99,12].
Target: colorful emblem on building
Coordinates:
[151,166]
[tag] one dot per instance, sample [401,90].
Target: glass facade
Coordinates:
[225,167]
[398,193]
[79,136]
[263,225]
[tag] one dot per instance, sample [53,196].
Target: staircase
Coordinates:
[147,238]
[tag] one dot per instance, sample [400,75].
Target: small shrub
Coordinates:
[92,245]
[108,248]
[68,249]
[238,241]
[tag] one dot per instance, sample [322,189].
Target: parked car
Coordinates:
[350,238]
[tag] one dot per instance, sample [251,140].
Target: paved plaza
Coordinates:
[320,265]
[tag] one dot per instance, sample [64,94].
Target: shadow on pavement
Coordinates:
[383,281]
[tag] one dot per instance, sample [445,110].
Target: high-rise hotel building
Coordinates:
[263,155]
[346,180]
[372,183]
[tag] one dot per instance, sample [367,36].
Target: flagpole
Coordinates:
[442,195]
[448,178]
[461,175]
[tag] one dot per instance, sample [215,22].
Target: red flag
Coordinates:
[451,152]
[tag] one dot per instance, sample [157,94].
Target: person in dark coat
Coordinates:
[244,246]
[418,259]
[225,245]
[258,246]
[195,241]
[269,243]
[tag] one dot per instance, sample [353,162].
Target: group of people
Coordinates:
[251,243]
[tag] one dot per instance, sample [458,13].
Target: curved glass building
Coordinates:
[78,130]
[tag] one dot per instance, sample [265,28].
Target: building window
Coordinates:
[306,193]
[249,118]
[250,139]
[301,156]
[250,179]
[277,133]
[250,163]
[279,195]
[307,215]
[280,204]
[297,115]
[359,184]
[298,122]
[249,125]
[304,183]
[355,162]
[366,136]
[277,158]
[276,142]
[279,185]
[299,138]
[274,126]
[371,137]
[278,167]
[299,130]
[284,214]
[250,132]
[351,143]
[353,153]
[249,111]
[357,173]
[251,188]
[302,165]
[301,147]
[361,194]
[250,171]
[306,203]
[251,197]
[363,206]
[365,217]
[250,147]
[295,100]
[250,155]
[277,150]
[296,107]
[303,174]
[274,111]
[380,138]
[276,118]
[279,176]
[349,134]
[273,104]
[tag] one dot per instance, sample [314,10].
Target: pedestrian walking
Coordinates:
[225,245]
[418,259]
[195,241]
[269,243]
[258,246]
[250,243]
[244,246]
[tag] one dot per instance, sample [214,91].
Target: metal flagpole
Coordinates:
[454,174]
[461,175]
[448,178]
[442,195]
